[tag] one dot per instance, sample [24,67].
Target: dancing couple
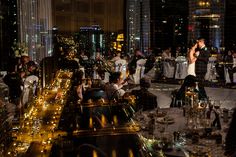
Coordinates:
[198,58]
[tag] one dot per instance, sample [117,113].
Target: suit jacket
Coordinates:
[145,99]
[202,61]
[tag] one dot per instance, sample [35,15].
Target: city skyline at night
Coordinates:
[161,24]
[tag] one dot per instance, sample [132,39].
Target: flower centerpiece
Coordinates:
[19,49]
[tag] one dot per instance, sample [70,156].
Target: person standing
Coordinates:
[191,61]
[232,67]
[201,59]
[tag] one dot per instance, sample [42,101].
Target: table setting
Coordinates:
[170,132]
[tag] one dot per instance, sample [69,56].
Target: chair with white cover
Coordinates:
[168,69]
[139,72]
[211,69]
[227,79]
[121,66]
[30,85]
[181,67]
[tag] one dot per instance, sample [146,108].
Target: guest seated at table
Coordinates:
[230,140]
[231,59]
[83,58]
[113,89]
[117,57]
[166,54]
[14,81]
[133,63]
[145,99]
[150,63]
[178,97]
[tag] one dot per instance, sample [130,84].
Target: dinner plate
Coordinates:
[165,120]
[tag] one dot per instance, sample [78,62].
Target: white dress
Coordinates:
[191,69]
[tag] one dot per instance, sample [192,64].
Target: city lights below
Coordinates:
[41,119]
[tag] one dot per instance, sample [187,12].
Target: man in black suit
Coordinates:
[202,55]
[145,99]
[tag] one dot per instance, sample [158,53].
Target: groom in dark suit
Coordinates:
[202,57]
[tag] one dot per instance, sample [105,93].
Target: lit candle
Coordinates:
[115,120]
[90,122]
[103,120]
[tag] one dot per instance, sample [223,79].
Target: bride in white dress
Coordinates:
[191,61]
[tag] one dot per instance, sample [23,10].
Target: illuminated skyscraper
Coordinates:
[156,23]
[8,30]
[230,23]
[138,24]
[35,27]
[169,21]
[206,19]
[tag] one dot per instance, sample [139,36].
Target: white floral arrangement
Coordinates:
[19,49]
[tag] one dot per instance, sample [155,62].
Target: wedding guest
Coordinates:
[150,63]
[178,51]
[117,57]
[23,66]
[167,54]
[179,96]
[232,67]
[83,56]
[145,99]
[14,81]
[133,63]
[114,89]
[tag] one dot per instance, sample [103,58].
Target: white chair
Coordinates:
[211,70]
[181,67]
[83,70]
[181,70]
[168,69]
[139,73]
[227,79]
[30,83]
[121,66]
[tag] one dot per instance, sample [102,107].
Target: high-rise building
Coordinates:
[138,24]
[168,23]
[8,30]
[35,27]
[206,19]
[230,23]
[70,15]
[156,24]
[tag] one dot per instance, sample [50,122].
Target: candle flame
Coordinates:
[90,122]
[103,120]
[95,154]
[113,153]
[115,120]
[131,154]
